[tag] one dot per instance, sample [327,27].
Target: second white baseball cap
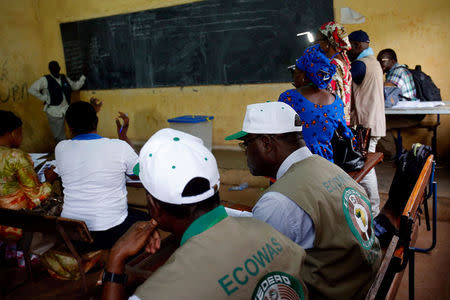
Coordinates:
[268,118]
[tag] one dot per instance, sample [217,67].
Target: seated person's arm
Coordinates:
[140,235]
[122,129]
[238,213]
[358,71]
[287,217]
[131,160]
[28,180]
[96,103]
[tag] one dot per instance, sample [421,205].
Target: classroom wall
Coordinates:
[21,60]
[417,29]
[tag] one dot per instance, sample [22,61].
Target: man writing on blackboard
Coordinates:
[55,91]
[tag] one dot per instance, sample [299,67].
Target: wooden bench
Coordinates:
[30,222]
[371,161]
[401,250]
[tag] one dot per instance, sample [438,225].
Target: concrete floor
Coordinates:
[432,270]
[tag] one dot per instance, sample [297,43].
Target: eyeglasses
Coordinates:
[244,144]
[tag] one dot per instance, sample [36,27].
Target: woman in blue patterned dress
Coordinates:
[320,111]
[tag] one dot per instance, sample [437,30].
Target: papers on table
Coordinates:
[418,104]
[37,158]
[38,161]
[47,165]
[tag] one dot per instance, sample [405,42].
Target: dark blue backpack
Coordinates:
[426,90]
[409,166]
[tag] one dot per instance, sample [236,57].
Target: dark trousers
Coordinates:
[106,239]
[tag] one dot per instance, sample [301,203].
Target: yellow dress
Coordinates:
[19,187]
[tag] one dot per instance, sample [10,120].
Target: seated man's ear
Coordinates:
[268,143]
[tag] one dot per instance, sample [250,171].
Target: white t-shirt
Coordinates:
[93,176]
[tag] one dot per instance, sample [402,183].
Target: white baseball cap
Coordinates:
[268,118]
[172,158]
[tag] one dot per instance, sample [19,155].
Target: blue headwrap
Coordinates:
[317,66]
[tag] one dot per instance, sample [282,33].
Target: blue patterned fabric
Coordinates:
[318,121]
[317,66]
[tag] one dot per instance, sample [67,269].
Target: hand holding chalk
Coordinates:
[122,128]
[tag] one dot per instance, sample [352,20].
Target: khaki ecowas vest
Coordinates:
[346,253]
[368,99]
[238,258]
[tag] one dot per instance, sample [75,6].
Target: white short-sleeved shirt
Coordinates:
[93,171]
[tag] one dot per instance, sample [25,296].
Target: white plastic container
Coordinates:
[199,126]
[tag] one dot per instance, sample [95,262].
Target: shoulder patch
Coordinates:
[358,215]
[278,285]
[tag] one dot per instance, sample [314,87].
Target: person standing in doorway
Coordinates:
[55,90]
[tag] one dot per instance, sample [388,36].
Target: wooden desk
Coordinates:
[372,160]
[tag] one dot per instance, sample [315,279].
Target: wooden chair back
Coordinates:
[408,222]
[390,274]
[68,229]
[32,222]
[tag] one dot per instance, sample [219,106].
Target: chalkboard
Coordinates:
[201,43]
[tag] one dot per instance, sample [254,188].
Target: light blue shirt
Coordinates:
[281,212]
[366,52]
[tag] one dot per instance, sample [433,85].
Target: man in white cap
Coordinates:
[219,257]
[313,202]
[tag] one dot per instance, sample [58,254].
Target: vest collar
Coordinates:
[87,136]
[205,222]
[294,157]
[366,52]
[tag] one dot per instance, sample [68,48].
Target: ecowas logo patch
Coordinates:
[358,216]
[278,286]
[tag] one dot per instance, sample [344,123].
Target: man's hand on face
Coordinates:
[141,234]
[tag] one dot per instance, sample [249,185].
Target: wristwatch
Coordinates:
[113,277]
